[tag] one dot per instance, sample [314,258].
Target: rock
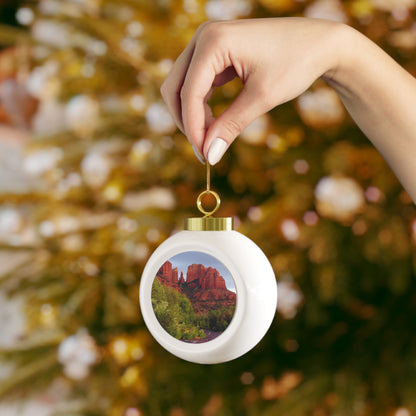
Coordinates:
[204,286]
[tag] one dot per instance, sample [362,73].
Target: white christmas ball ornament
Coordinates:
[208,294]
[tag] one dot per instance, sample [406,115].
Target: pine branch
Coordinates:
[38,365]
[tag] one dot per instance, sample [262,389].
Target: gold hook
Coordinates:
[208,192]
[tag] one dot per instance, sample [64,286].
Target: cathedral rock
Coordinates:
[203,286]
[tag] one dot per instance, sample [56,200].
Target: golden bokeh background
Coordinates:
[94,176]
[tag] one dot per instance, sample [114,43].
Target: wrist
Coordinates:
[344,45]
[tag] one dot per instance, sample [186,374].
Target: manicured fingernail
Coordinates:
[216,151]
[198,155]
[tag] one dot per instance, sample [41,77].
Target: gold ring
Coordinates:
[199,202]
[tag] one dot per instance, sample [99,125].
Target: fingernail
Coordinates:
[198,155]
[216,151]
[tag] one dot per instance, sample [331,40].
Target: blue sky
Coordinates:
[183,260]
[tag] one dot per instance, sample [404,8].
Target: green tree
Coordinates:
[174,311]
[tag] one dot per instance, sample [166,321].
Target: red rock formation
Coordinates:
[195,272]
[204,286]
[174,276]
[165,272]
[212,280]
[168,276]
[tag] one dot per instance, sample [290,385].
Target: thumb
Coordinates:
[224,129]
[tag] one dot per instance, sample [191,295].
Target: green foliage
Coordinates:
[174,312]
[216,320]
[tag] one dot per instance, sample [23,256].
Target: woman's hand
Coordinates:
[278,59]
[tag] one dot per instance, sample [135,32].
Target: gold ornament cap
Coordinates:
[208,223]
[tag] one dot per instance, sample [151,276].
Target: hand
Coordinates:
[276,60]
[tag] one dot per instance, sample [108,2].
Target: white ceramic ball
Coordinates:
[255,285]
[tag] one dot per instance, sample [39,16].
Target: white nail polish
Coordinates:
[198,155]
[216,150]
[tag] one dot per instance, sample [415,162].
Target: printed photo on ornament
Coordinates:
[194,297]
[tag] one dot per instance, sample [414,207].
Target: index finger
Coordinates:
[196,89]
[171,87]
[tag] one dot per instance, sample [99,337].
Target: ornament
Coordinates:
[208,294]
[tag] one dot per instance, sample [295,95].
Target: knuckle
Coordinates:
[233,127]
[213,32]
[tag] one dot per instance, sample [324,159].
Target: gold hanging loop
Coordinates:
[201,208]
[208,191]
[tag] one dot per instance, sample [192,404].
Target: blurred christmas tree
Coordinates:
[114,179]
